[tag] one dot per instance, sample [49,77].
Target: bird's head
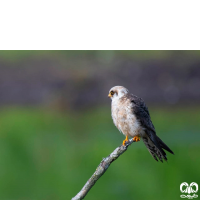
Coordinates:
[117,92]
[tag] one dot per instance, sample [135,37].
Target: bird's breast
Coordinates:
[124,119]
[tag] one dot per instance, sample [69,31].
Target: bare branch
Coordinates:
[101,169]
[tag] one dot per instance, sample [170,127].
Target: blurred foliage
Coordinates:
[47,154]
[17,56]
[81,79]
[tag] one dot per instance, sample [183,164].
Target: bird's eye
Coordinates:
[111,92]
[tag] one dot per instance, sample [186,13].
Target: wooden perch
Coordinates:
[101,169]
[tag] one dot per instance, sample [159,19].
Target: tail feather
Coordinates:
[153,139]
[155,146]
[153,150]
[164,146]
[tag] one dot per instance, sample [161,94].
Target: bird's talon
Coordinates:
[124,142]
[136,139]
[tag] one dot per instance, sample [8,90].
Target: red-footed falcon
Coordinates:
[131,116]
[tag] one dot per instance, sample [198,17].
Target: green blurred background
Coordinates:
[56,126]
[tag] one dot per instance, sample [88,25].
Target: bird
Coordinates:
[131,116]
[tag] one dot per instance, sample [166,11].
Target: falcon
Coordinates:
[131,116]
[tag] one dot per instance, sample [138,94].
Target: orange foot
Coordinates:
[136,139]
[124,142]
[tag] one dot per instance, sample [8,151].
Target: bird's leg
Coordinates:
[136,139]
[124,142]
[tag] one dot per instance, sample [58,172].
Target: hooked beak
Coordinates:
[109,95]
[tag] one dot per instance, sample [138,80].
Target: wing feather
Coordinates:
[156,144]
